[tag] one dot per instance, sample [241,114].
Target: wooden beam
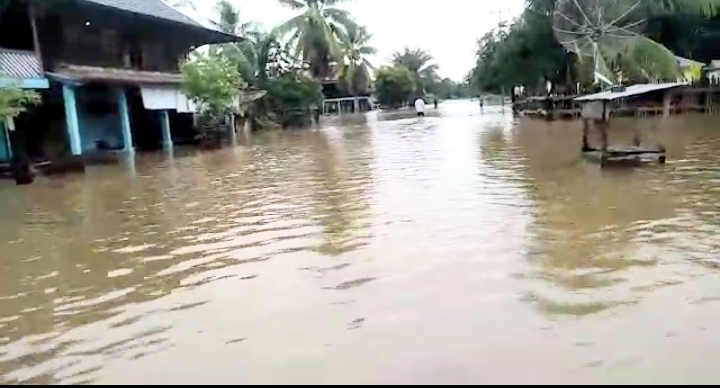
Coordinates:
[36,40]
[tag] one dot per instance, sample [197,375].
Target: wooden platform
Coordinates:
[626,155]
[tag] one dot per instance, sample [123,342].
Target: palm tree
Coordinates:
[316,33]
[246,54]
[419,63]
[355,69]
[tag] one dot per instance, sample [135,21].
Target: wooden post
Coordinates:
[667,102]
[604,123]
[233,130]
[586,131]
[36,39]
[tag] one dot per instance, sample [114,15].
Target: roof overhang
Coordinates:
[219,37]
[629,91]
[159,11]
[685,62]
[90,74]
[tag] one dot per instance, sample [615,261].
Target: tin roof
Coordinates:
[161,10]
[153,8]
[685,62]
[633,90]
[20,64]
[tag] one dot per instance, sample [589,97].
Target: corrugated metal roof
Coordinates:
[154,8]
[685,62]
[633,90]
[19,64]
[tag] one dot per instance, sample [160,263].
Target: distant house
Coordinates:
[108,71]
[712,71]
[337,100]
[691,70]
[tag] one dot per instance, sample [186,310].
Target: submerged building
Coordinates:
[338,100]
[107,70]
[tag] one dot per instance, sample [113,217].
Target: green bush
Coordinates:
[394,86]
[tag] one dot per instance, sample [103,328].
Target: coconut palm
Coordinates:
[419,62]
[245,54]
[316,33]
[355,69]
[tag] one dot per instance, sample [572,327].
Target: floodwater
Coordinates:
[458,248]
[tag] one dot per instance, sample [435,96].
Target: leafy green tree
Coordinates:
[292,98]
[14,101]
[447,89]
[394,85]
[213,83]
[527,53]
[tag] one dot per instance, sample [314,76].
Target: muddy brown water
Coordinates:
[459,248]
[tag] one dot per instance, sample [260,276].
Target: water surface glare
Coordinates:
[464,247]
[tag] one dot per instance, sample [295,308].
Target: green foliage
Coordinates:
[317,33]
[394,85]
[14,101]
[527,53]
[447,89]
[293,91]
[355,68]
[292,98]
[213,83]
[419,62]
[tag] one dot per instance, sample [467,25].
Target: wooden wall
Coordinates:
[99,37]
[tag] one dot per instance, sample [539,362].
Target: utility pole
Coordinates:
[500,13]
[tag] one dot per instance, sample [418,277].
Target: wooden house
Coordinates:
[108,71]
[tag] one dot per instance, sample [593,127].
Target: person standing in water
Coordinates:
[420,107]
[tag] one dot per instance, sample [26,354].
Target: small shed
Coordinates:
[596,112]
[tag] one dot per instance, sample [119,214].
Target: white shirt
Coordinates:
[420,105]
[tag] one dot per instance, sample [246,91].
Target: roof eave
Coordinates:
[211,36]
[219,37]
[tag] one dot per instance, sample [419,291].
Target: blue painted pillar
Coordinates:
[72,122]
[124,119]
[165,126]
[5,147]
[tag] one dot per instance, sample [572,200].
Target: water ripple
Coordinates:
[378,249]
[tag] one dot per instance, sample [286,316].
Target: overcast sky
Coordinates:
[448,29]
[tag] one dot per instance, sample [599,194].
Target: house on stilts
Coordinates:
[107,70]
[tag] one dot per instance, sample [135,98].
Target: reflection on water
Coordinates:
[463,247]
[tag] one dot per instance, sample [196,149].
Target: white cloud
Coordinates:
[447,29]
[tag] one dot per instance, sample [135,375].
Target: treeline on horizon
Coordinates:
[526,51]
